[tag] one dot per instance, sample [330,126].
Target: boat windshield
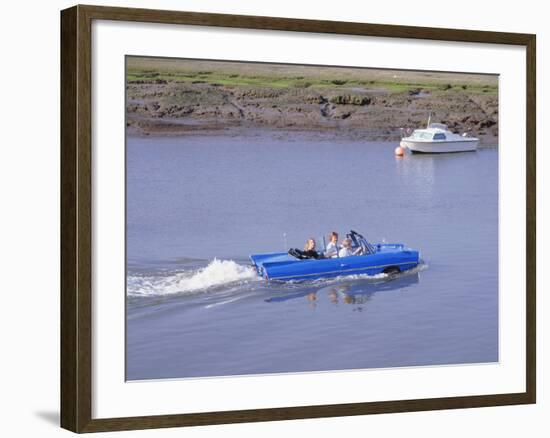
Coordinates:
[422,135]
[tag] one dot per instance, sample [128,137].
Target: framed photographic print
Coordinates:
[268,218]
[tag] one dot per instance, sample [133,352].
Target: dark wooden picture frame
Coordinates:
[76,218]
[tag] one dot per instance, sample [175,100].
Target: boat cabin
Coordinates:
[434,131]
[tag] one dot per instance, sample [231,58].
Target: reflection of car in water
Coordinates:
[374,259]
[351,292]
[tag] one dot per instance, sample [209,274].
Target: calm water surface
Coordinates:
[198,206]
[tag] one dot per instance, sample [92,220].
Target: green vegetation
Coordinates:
[290,76]
[350,100]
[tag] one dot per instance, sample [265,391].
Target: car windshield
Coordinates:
[360,241]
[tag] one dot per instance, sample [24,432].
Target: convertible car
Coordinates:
[389,258]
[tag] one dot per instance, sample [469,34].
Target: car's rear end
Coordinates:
[261,262]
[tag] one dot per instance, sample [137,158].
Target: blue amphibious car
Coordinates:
[375,259]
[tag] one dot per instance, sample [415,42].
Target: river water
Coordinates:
[197,206]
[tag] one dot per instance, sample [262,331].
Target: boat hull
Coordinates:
[439,147]
[283,267]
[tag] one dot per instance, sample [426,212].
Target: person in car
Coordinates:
[332,247]
[309,249]
[347,250]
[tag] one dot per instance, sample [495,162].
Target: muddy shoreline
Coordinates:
[370,107]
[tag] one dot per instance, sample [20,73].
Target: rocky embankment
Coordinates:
[163,107]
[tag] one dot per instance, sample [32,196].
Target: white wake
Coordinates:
[217,273]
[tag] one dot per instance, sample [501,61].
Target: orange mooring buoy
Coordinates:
[399,151]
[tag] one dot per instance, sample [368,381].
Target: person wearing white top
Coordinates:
[346,249]
[344,252]
[332,247]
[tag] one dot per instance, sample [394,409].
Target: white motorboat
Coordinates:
[436,138]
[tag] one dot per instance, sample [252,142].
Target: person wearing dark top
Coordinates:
[309,251]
